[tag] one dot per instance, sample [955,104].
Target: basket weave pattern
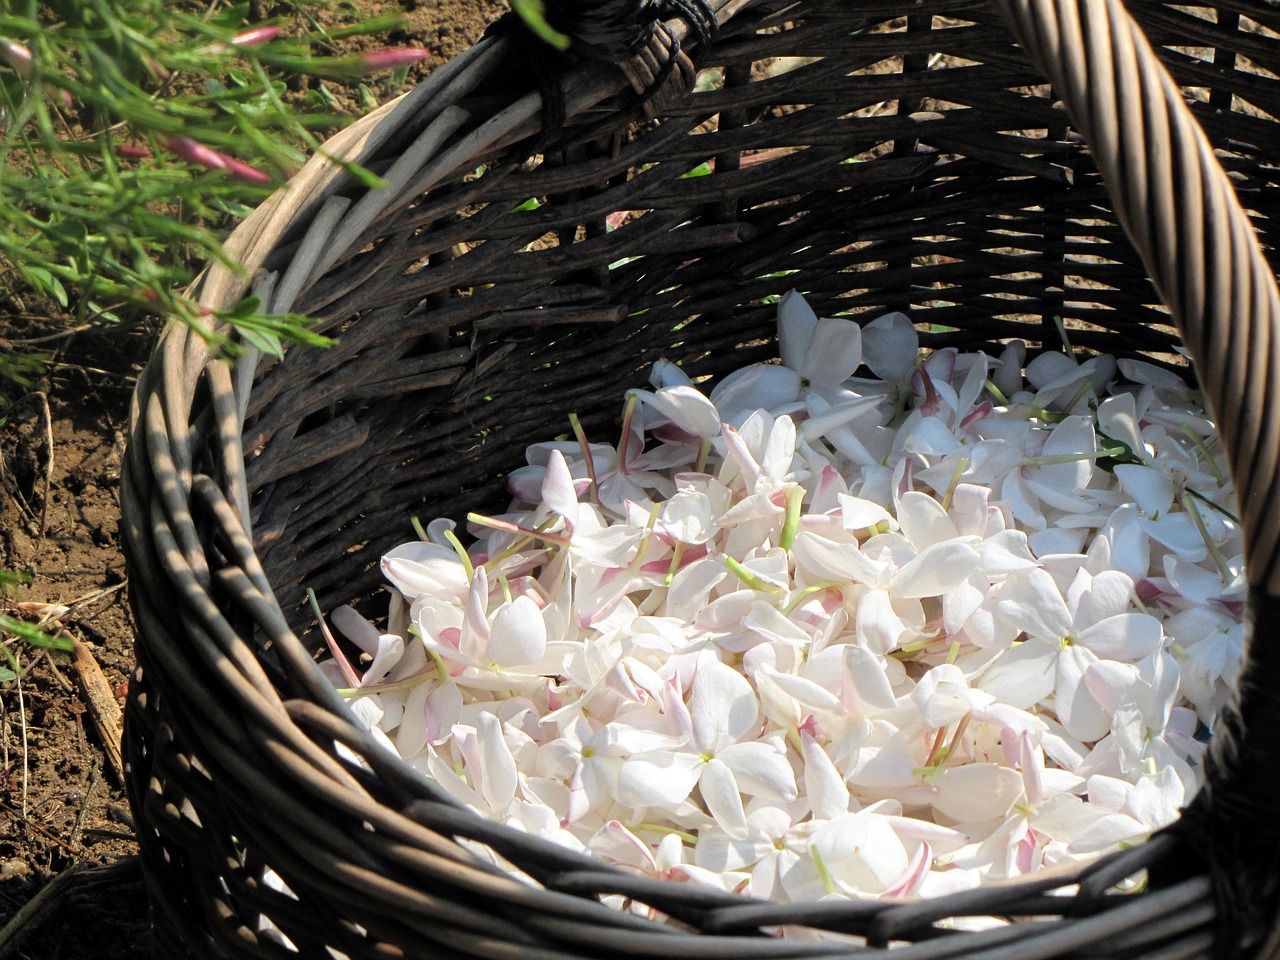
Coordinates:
[914,159]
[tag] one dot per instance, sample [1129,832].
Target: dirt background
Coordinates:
[62,808]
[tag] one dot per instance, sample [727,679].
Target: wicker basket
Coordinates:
[913,158]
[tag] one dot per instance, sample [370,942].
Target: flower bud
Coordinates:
[17,56]
[392,57]
[242,171]
[254,36]
[194,152]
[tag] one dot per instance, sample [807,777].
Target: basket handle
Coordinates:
[1178,208]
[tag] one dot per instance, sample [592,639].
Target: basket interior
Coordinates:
[875,161]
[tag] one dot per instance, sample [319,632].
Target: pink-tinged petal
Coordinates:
[614,843]
[686,407]
[1031,765]
[722,705]
[1023,675]
[442,711]
[390,648]
[941,365]
[658,779]
[419,568]
[518,634]
[760,769]
[865,689]
[827,491]
[740,453]
[835,352]
[558,491]
[1129,636]
[824,787]
[889,347]
[1151,490]
[796,324]
[935,571]
[912,878]
[356,629]
[500,773]
[1078,712]
[720,793]
[861,852]
[977,792]
[675,709]
[474,640]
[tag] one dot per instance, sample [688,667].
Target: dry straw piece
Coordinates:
[875,155]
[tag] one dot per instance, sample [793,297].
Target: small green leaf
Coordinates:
[534,14]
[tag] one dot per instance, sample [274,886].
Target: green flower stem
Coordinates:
[997,394]
[828,884]
[1198,442]
[467,566]
[800,596]
[689,838]
[1218,559]
[791,522]
[750,579]
[507,527]
[961,466]
[1102,454]
[587,458]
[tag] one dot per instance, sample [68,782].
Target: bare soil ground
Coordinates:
[62,809]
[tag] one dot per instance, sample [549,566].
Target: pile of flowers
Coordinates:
[814,635]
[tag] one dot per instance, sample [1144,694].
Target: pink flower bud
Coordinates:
[131,151]
[393,57]
[16,56]
[254,36]
[242,171]
[193,152]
